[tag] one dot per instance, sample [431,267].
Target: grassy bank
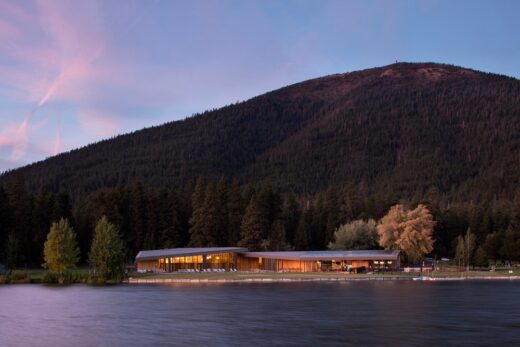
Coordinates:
[21,276]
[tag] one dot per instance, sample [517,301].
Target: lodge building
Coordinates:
[240,259]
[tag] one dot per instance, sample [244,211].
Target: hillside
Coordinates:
[402,130]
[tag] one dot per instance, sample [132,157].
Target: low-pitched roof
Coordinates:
[326,255]
[184,252]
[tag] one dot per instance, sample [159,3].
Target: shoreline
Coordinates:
[317,279]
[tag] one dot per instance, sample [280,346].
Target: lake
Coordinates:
[272,314]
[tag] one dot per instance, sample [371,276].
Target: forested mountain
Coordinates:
[399,130]
[285,169]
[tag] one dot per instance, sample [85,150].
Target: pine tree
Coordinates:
[222,196]
[61,252]
[42,218]
[169,220]
[211,220]
[11,252]
[107,252]
[492,245]
[137,217]
[252,226]
[20,203]
[4,218]
[291,217]
[234,209]
[61,207]
[302,236]
[480,258]
[277,236]
[510,249]
[197,237]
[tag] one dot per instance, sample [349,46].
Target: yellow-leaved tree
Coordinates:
[61,252]
[409,231]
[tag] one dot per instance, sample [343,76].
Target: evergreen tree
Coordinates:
[11,252]
[277,236]
[492,246]
[4,217]
[234,209]
[221,228]
[61,251]
[197,237]
[269,203]
[319,237]
[303,232]
[291,217]
[211,222]
[151,219]
[107,252]
[510,249]
[42,219]
[169,220]
[61,207]
[480,258]
[252,226]
[137,217]
[20,203]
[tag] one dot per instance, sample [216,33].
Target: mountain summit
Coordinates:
[402,130]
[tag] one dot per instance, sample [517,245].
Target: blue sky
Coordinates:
[74,72]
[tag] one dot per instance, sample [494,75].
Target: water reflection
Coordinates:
[293,314]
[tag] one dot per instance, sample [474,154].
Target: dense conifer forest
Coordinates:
[291,166]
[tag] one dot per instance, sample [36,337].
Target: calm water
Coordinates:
[292,314]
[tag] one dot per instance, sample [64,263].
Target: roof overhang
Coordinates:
[185,252]
[325,255]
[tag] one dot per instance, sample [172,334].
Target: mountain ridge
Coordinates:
[401,130]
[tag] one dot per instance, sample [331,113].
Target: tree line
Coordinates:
[225,213]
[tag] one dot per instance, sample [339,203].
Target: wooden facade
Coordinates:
[237,259]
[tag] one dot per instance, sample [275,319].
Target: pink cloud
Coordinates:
[54,49]
[98,122]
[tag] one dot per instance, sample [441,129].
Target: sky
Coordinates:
[74,72]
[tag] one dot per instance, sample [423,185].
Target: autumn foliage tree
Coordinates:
[409,231]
